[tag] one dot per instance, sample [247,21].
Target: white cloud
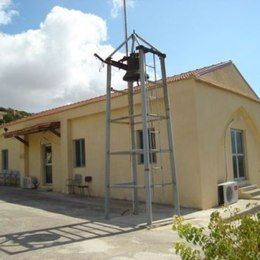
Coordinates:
[6,14]
[117,6]
[54,65]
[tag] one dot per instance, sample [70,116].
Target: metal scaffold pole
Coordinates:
[146,148]
[125,24]
[132,124]
[108,136]
[133,146]
[170,138]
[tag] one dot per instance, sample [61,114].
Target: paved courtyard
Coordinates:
[48,225]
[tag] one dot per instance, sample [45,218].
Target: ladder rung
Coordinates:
[126,186]
[123,183]
[124,117]
[120,122]
[150,120]
[153,117]
[126,152]
[138,151]
[156,115]
[132,186]
[161,185]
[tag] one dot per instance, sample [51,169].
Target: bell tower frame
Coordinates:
[141,48]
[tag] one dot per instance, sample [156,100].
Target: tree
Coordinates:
[8,117]
[12,114]
[237,237]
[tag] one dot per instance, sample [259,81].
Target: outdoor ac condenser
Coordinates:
[27,183]
[228,193]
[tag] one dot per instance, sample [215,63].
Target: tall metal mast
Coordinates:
[136,71]
[131,123]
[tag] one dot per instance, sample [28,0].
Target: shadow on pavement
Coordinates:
[88,209]
[23,242]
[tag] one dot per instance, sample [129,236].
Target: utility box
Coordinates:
[227,193]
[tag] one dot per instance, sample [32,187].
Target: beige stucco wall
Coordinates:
[230,77]
[219,111]
[182,98]
[92,128]
[89,122]
[201,114]
[15,153]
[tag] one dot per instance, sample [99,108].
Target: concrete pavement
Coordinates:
[48,225]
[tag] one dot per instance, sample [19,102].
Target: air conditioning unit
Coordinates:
[27,183]
[228,193]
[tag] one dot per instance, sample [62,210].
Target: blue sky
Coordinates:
[193,33]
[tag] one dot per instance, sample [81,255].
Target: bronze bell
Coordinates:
[132,73]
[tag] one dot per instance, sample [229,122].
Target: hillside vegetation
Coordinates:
[12,114]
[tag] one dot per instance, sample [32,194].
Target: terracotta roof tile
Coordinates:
[182,76]
[33,129]
[198,72]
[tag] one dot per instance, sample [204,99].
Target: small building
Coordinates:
[216,118]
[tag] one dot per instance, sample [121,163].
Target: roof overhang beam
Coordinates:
[42,127]
[22,140]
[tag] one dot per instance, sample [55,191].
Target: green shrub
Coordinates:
[237,237]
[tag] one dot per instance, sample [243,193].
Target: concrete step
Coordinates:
[256,197]
[243,183]
[249,192]
[252,193]
[247,188]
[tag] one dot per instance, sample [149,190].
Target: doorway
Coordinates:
[47,164]
[238,154]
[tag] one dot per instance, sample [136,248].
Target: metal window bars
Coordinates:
[145,118]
